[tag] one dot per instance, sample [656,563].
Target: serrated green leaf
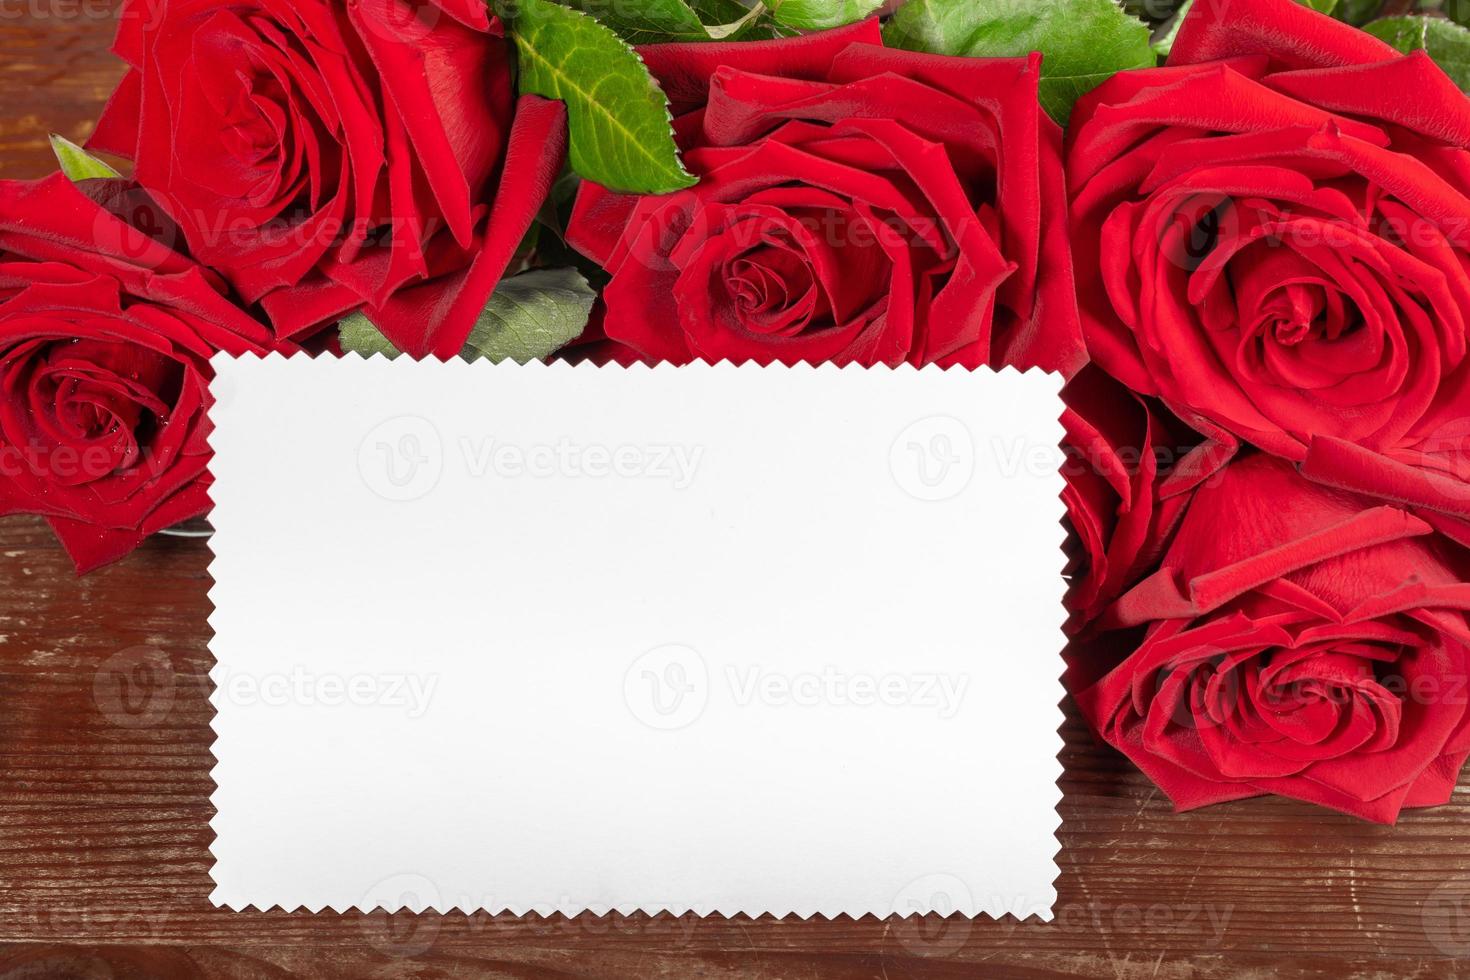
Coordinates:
[529,317]
[1445,41]
[532,316]
[1083,42]
[645,21]
[820,15]
[621,135]
[76,162]
[657,21]
[357,335]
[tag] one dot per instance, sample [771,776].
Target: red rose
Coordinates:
[105,340]
[1299,642]
[329,156]
[854,204]
[1131,470]
[1271,233]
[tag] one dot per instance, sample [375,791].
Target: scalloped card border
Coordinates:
[244,751]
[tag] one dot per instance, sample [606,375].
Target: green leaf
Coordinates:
[820,15]
[1083,42]
[358,335]
[76,162]
[529,317]
[645,21]
[1445,41]
[619,119]
[731,20]
[1163,40]
[753,25]
[1321,6]
[655,21]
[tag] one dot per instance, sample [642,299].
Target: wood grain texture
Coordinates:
[55,75]
[104,810]
[104,792]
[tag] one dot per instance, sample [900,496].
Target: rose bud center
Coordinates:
[97,402]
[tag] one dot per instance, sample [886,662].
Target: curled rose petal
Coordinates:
[1270,234]
[1131,470]
[105,338]
[1299,642]
[328,157]
[855,204]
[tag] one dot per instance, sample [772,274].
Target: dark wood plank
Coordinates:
[55,74]
[104,809]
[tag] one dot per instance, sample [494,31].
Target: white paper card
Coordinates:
[703,638]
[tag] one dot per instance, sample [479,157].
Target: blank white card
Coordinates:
[706,639]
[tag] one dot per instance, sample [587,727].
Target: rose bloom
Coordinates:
[1299,642]
[1271,236]
[855,204]
[1131,469]
[328,157]
[105,340]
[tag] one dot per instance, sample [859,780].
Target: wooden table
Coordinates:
[104,792]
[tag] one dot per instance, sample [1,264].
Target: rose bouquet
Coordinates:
[1241,228]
